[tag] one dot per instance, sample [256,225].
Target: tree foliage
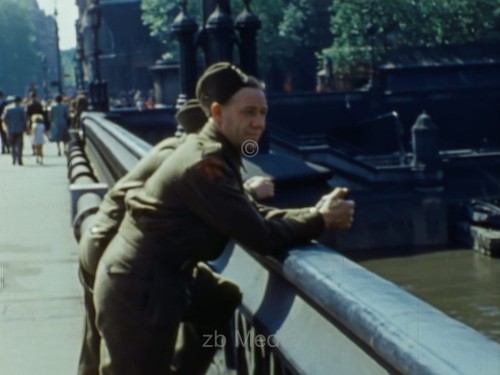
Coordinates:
[19,62]
[292,30]
[302,30]
[410,23]
[159,15]
[296,33]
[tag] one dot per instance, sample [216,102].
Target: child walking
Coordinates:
[39,136]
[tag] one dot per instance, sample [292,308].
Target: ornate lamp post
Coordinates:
[371,31]
[79,56]
[45,69]
[184,29]
[58,52]
[76,71]
[220,36]
[98,87]
[247,25]
[79,69]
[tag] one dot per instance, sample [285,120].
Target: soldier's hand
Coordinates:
[260,187]
[337,193]
[337,212]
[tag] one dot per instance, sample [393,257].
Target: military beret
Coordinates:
[218,83]
[191,116]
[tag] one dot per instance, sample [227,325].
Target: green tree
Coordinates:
[159,15]
[296,33]
[19,62]
[304,31]
[396,23]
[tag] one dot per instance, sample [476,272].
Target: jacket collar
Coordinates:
[232,153]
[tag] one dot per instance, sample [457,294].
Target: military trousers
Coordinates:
[139,304]
[92,245]
[213,301]
[89,354]
[212,304]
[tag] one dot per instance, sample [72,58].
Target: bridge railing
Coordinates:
[310,310]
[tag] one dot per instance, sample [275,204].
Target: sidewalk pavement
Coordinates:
[41,309]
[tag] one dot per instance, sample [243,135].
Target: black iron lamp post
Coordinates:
[94,14]
[76,69]
[220,36]
[58,57]
[45,69]
[371,32]
[184,29]
[79,69]
[247,24]
[79,56]
[98,87]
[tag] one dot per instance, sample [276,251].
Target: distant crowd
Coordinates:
[41,120]
[134,98]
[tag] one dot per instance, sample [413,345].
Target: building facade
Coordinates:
[126,48]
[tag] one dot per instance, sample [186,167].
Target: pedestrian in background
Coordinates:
[34,106]
[3,132]
[139,100]
[59,119]
[80,105]
[14,118]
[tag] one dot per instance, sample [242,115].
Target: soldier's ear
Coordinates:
[216,113]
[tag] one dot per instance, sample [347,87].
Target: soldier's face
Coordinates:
[243,117]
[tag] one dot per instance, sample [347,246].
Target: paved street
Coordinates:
[41,310]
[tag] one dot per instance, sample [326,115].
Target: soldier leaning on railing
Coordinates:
[186,212]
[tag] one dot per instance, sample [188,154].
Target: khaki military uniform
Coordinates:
[216,297]
[186,212]
[94,242]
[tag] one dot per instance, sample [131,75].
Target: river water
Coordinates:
[464,284]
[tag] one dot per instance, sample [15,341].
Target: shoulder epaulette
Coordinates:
[210,148]
[172,141]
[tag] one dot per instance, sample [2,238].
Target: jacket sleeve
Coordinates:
[270,212]
[136,177]
[213,192]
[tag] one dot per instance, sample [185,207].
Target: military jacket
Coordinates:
[112,208]
[195,202]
